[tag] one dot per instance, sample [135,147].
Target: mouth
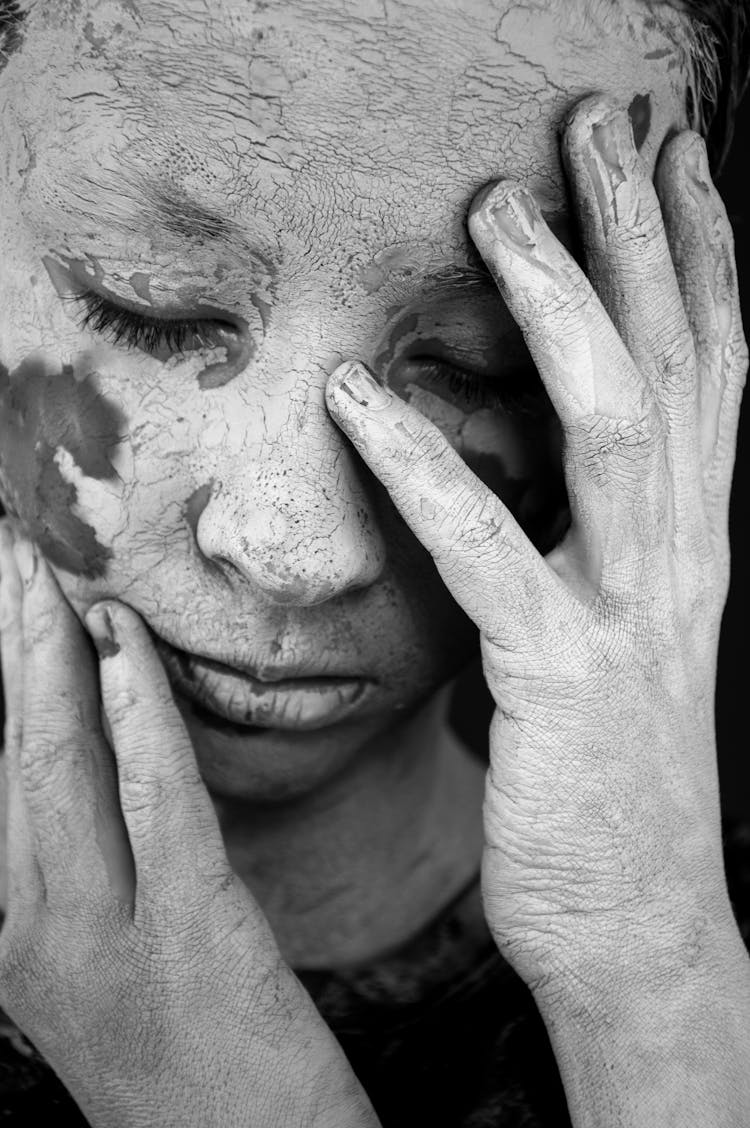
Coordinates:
[295,704]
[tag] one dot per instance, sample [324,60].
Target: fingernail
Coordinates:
[613,142]
[363,388]
[696,163]
[102,630]
[518,219]
[26,561]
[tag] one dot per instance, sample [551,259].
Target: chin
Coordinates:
[268,765]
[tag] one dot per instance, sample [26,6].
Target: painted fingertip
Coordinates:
[357,383]
[102,630]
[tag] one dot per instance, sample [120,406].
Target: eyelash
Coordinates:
[521,395]
[152,335]
[158,336]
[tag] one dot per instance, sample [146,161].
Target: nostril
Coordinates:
[225,564]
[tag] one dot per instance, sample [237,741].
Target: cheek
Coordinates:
[47,418]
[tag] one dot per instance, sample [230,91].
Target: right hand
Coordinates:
[132,956]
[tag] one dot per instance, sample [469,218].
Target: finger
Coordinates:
[67,767]
[614,451]
[22,869]
[484,557]
[702,246]
[629,261]
[171,823]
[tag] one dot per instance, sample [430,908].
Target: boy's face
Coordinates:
[293,177]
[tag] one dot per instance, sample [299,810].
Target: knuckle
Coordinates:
[678,376]
[143,791]
[429,449]
[467,509]
[642,229]
[40,757]
[608,448]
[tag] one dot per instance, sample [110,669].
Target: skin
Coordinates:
[315,562]
[562,640]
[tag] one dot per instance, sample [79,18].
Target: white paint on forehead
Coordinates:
[322,73]
[326,131]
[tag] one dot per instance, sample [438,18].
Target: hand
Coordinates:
[601,811]
[132,956]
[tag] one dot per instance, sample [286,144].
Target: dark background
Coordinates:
[733,690]
[473,706]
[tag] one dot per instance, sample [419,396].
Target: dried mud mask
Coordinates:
[484,393]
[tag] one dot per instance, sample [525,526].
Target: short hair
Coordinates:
[11,29]
[720,34]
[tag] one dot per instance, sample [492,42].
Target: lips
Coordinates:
[299,703]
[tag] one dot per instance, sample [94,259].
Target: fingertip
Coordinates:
[354,385]
[585,115]
[685,153]
[488,200]
[100,625]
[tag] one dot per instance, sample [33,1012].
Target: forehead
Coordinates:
[304,116]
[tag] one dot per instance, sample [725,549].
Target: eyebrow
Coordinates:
[475,270]
[190,220]
[187,218]
[161,204]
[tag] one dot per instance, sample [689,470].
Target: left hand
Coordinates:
[603,838]
[132,956]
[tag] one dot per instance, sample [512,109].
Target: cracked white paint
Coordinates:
[343,143]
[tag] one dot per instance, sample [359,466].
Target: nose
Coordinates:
[296,518]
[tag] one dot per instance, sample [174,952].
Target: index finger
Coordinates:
[483,555]
[171,822]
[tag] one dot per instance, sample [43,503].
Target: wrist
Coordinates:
[656,1034]
[672,946]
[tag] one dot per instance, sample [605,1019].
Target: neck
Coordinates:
[356,868]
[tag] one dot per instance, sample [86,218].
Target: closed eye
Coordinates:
[519,392]
[157,336]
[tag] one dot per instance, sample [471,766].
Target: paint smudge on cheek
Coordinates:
[39,412]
